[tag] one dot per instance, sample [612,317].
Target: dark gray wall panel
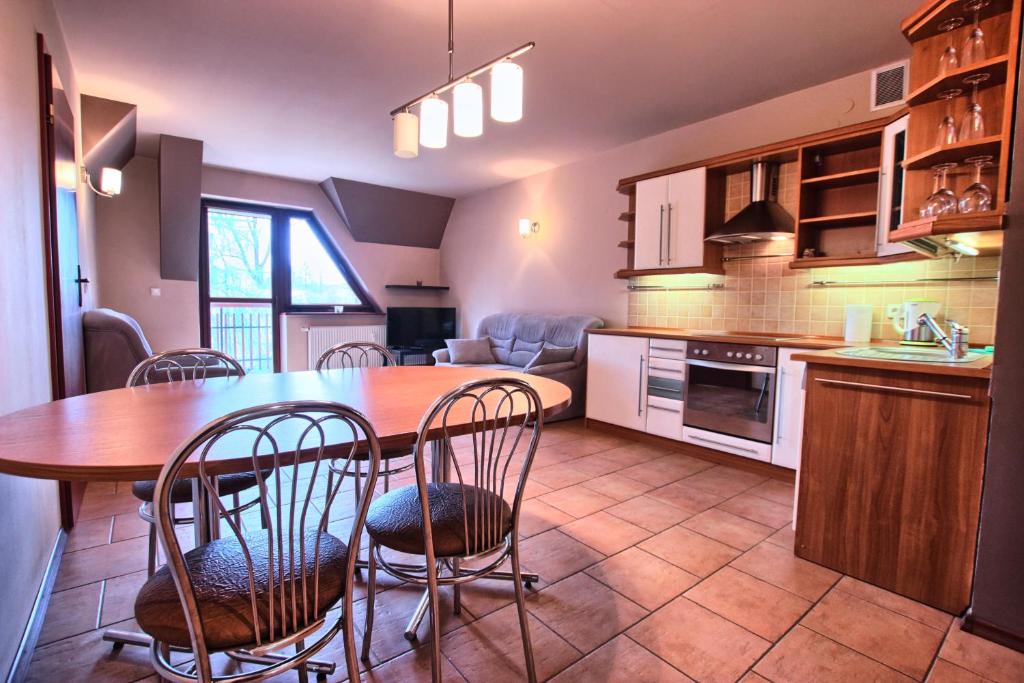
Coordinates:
[388,215]
[180,171]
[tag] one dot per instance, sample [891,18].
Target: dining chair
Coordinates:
[350,355]
[183,365]
[253,593]
[471,517]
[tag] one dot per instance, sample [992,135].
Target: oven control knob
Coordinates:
[728,354]
[703,352]
[696,351]
[749,356]
[758,357]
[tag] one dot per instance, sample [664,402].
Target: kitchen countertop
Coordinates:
[820,349]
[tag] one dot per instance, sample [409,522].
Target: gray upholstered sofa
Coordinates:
[516,338]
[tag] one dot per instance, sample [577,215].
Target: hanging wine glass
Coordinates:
[974,49]
[947,127]
[943,200]
[972,126]
[949,60]
[978,195]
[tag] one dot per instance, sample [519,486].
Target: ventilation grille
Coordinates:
[889,85]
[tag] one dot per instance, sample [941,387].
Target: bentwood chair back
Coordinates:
[471,509]
[179,366]
[355,355]
[264,585]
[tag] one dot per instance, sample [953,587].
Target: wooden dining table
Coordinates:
[128,434]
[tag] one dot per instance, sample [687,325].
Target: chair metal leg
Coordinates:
[456,590]
[371,594]
[435,624]
[151,565]
[524,623]
[417,616]
[236,503]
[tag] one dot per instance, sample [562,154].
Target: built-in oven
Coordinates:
[730,391]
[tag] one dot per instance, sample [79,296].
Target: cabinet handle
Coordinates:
[651,406]
[779,405]
[640,389]
[668,238]
[723,445]
[881,221]
[661,235]
[901,390]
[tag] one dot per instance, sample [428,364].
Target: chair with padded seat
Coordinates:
[184,365]
[470,511]
[254,593]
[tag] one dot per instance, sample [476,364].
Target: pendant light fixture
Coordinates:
[431,126]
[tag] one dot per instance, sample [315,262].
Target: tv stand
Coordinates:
[411,355]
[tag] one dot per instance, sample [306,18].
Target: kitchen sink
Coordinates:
[909,354]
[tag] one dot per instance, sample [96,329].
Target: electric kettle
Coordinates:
[905,317]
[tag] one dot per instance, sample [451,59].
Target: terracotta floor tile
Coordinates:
[537,516]
[490,650]
[634,454]
[412,667]
[554,556]
[557,476]
[106,505]
[724,481]
[751,677]
[734,531]
[119,597]
[534,489]
[489,595]
[666,469]
[650,513]
[88,533]
[71,612]
[617,486]
[757,606]
[981,656]
[774,490]
[584,611]
[896,641]
[946,672]
[784,537]
[578,501]
[689,550]
[101,562]
[686,498]
[605,533]
[620,660]
[759,509]
[129,525]
[391,612]
[86,658]
[929,616]
[804,656]
[645,579]
[780,567]
[698,642]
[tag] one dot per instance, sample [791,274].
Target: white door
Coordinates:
[649,230]
[789,410]
[684,219]
[617,380]
[891,190]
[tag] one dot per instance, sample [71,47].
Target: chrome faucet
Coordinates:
[956,343]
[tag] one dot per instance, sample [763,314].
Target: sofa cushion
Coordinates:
[523,352]
[501,348]
[551,368]
[471,351]
[552,354]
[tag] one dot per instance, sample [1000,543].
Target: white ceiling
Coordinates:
[302,88]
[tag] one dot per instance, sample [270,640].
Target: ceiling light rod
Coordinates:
[452,82]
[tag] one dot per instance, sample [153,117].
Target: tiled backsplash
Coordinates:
[765,295]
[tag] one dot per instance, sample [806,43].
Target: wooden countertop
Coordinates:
[981,368]
[781,339]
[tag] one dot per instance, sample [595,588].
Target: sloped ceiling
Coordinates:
[388,215]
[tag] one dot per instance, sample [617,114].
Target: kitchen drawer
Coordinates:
[666,367]
[665,417]
[668,348]
[729,444]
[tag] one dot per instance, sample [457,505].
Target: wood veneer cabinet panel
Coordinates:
[890,479]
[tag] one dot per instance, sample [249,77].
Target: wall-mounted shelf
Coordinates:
[841,220]
[627,216]
[422,288]
[955,153]
[925,22]
[994,67]
[851,260]
[844,179]
[630,272]
[626,244]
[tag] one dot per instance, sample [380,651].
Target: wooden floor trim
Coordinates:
[34,626]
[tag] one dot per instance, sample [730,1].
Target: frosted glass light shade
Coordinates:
[506,92]
[110,181]
[468,116]
[406,139]
[527,227]
[434,123]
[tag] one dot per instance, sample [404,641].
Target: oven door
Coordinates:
[730,398]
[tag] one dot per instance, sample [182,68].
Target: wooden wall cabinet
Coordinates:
[890,479]
[670,220]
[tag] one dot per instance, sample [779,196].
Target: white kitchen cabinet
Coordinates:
[617,380]
[891,188]
[789,410]
[670,218]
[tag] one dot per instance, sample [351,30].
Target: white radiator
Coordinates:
[319,339]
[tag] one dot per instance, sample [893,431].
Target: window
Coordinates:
[257,262]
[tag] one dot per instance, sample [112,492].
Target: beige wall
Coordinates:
[28,507]
[568,266]
[129,257]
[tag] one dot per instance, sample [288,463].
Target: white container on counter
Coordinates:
[858,323]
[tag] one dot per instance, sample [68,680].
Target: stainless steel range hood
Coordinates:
[763,218]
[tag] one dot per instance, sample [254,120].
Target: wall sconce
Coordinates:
[110,182]
[528,227]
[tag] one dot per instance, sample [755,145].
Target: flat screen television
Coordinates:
[424,328]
